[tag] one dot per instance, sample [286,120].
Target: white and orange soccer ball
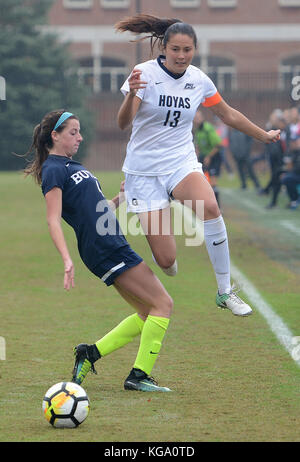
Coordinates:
[66,405]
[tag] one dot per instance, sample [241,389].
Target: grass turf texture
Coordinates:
[231,379]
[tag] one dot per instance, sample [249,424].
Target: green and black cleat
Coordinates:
[85,357]
[140,381]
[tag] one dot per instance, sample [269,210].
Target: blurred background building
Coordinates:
[250,49]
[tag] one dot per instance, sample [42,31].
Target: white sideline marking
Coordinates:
[243,200]
[276,324]
[290,226]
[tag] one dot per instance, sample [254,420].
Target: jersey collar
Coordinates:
[171,74]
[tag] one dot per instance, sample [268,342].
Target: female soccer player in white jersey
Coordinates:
[74,194]
[161,98]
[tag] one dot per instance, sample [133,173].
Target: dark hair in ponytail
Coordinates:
[160,30]
[42,142]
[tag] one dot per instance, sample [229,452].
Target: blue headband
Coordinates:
[63,117]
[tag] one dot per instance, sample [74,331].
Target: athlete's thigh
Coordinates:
[140,283]
[158,229]
[196,192]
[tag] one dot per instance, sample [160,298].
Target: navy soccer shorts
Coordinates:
[118,262]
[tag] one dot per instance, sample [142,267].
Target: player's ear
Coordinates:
[54,136]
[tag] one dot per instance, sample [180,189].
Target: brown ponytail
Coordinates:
[42,143]
[145,23]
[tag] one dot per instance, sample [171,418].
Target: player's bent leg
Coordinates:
[158,230]
[143,290]
[195,187]
[142,284]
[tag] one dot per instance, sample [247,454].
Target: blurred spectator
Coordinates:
[208,145]
[291,179]
[275,153]
[223,131]
[240,146]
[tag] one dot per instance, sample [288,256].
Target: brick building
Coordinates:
[250,48]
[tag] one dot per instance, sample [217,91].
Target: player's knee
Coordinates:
[165,261]
[167,305]
[211,209]
[162,306]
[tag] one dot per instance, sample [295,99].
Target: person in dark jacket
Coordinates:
[275,155]
[291,179]
[240,146]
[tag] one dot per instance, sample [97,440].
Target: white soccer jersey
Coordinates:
[161,138]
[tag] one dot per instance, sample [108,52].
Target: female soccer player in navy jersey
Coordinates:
[161,98]
[73,193]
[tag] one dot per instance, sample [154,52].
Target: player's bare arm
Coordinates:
[237,120]
[116,201]
[131,102]
[54,209]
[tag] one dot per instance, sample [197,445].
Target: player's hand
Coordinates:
[122,186]
[135,82]
[273,136]
[69,275]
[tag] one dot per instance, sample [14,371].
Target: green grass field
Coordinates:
[231,378]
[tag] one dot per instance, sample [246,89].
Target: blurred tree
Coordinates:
[40,76]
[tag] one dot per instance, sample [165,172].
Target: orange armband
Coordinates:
[212,100]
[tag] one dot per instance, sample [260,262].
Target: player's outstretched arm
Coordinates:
[237,120]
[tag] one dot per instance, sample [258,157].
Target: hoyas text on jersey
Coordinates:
[174,101]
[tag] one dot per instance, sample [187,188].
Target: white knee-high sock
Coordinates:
[216,241]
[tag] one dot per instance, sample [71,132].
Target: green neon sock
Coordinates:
[122,334]
[151,340]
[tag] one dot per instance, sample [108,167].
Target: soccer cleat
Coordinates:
[85,356]
[140,381]
[234,303]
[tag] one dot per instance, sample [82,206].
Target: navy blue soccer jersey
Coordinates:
[84,208]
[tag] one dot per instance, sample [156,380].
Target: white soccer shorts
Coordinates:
[149,193]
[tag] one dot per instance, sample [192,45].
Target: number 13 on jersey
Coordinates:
[172,119]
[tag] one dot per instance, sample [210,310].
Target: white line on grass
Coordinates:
[290,226]
[257,208]
[276,324]
[248,203]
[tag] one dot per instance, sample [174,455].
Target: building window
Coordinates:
[113,74]
[222,3]
[102,74]
[185,3]
[289,68]
[115,3]
[221,70]
[289,2]
[78,4]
